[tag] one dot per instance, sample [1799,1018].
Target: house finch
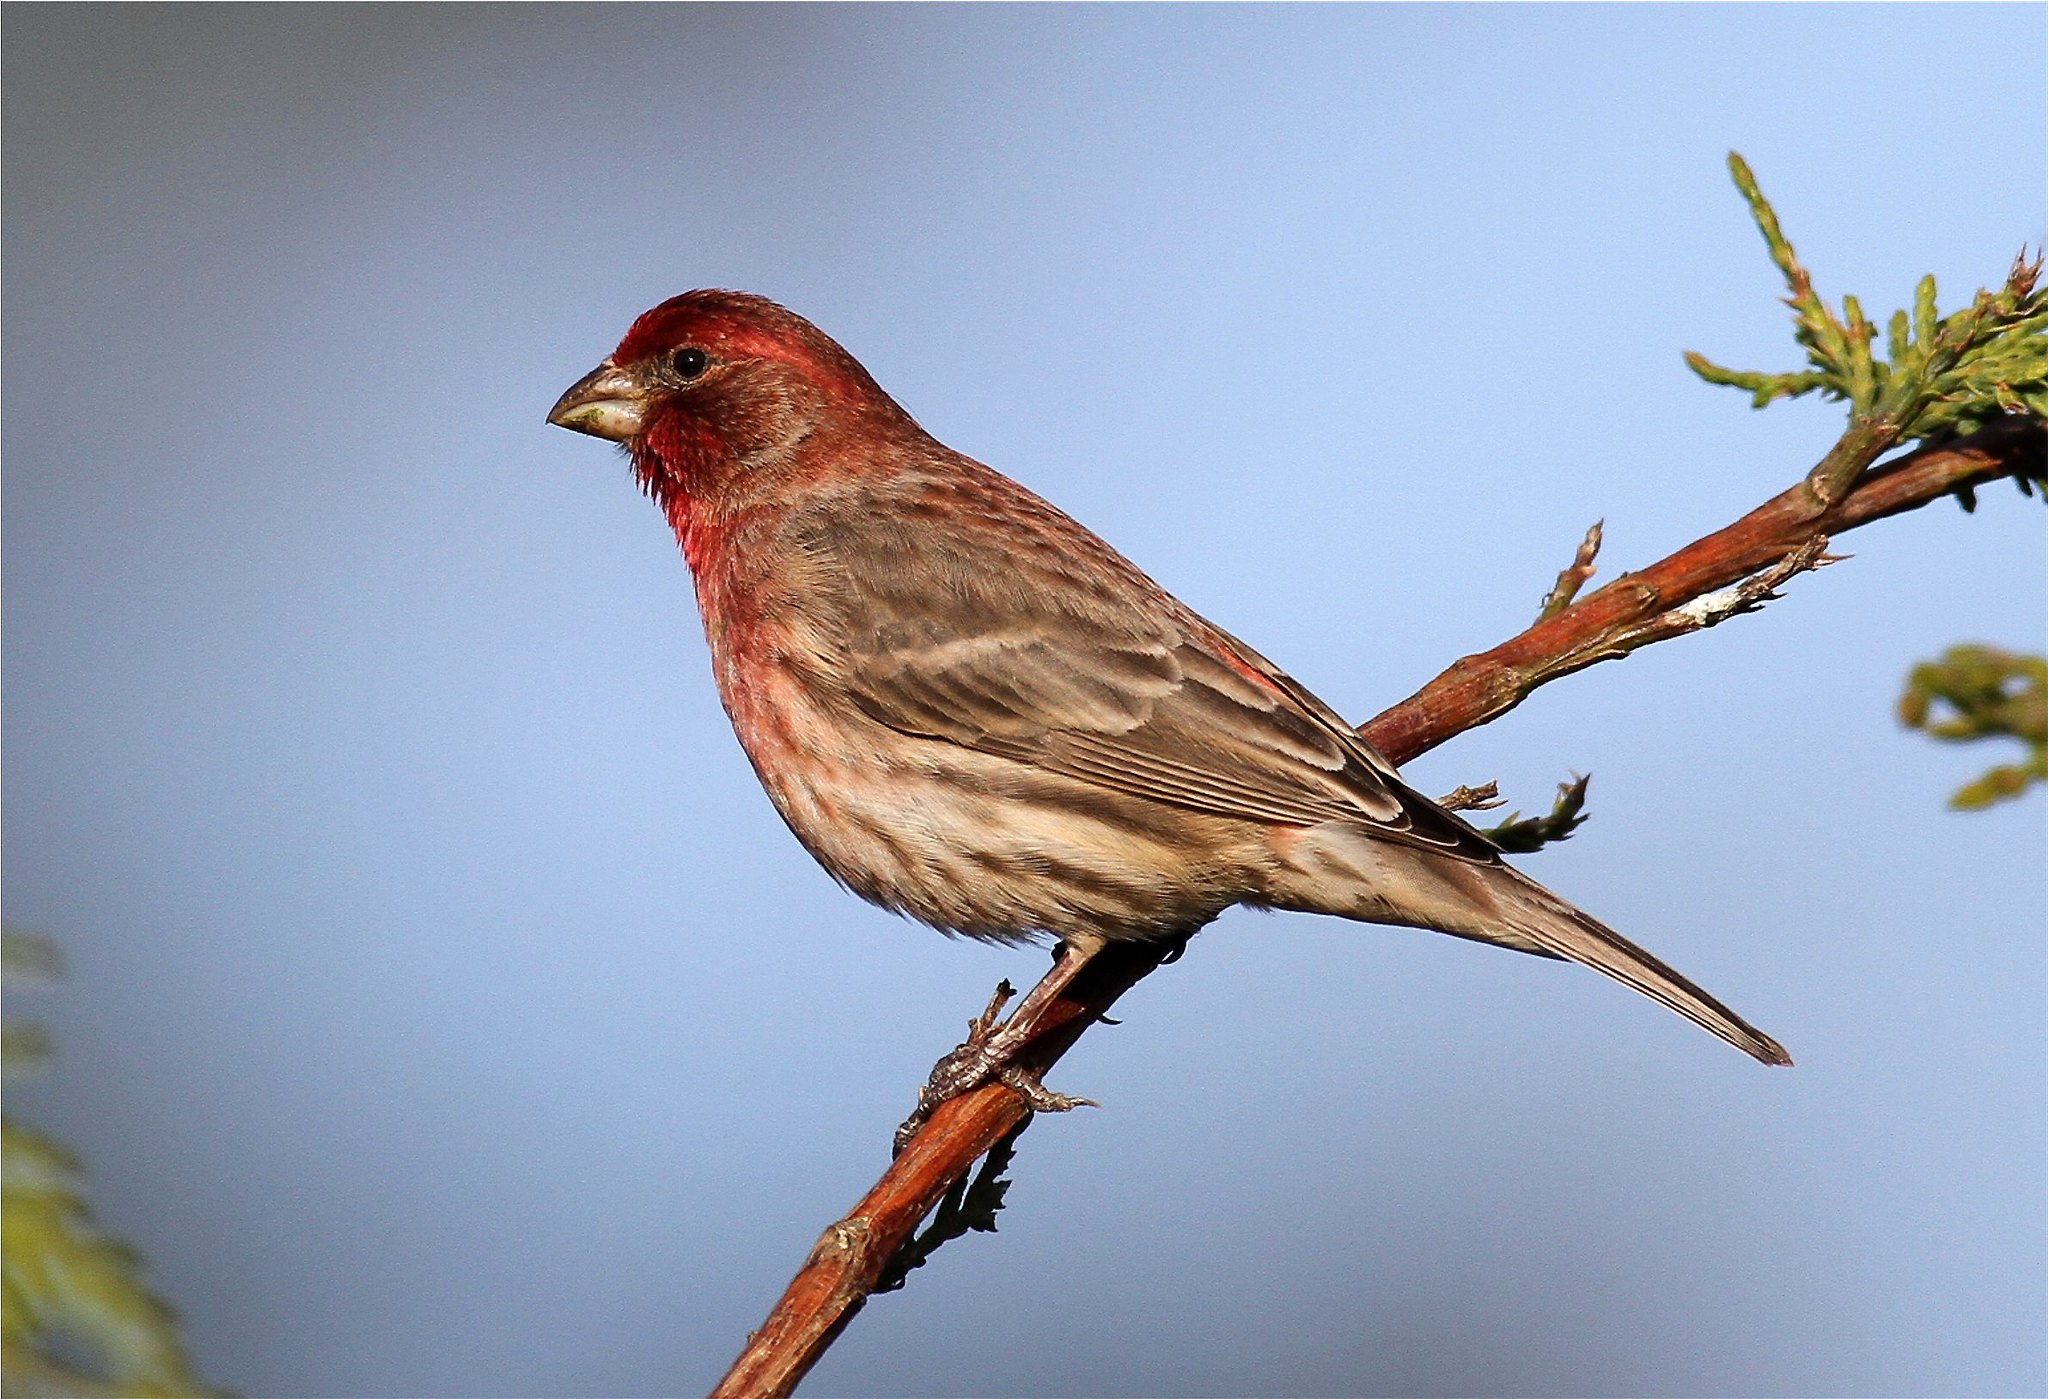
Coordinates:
[973,711]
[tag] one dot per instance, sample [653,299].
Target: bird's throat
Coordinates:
[681,464]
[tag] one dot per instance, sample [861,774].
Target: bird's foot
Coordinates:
[988,1055]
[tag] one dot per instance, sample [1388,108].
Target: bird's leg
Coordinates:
[991,1048]
[1068,959]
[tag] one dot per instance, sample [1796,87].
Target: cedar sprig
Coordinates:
[1939,377]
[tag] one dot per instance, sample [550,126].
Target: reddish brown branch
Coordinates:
[1484,687]
[1776,539]
[835,1280]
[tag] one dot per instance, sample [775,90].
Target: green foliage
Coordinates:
[1979,692]
[1940,375]
[75,1317]
[1520,835]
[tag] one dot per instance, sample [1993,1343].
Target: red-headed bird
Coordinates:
[973,711]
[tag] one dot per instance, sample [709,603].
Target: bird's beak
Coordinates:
[606,402]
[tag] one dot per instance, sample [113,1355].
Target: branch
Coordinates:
[1666,599]
[1669,598]
[849,1258]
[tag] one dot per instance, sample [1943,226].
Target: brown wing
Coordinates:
[1025,653]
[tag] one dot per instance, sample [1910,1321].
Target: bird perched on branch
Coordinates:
[973,711]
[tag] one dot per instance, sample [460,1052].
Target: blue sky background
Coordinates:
[448,1012]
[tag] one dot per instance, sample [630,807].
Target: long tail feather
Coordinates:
[1348,870]
[1557,927]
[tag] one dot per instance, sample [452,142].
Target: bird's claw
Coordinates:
[1042,1099]
[983,1058]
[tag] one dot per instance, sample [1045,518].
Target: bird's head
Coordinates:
[711,385]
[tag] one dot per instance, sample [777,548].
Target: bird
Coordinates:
[973,711]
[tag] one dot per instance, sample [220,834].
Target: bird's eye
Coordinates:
[689,362]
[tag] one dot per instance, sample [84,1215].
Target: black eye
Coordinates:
[689,362]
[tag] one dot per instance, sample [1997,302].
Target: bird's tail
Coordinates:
[1331,870]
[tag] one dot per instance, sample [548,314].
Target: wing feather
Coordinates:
[1120,688]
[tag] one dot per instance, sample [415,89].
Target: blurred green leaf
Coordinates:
[75,1317]
[1973,693]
